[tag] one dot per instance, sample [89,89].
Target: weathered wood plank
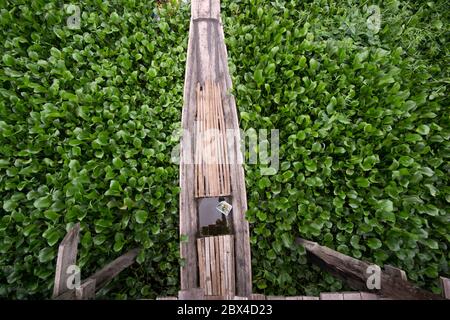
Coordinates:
[167,298]
[355,273]
[213,261]
[331,296]
[107,273]
[67,256]
[188,213]
[445,285]
[352,295]
[223,286]
[257,296]
[369,296]
[395,272]
[275,298]
[191,294]
[240,298]
[86,291]
[294,298]
[208,276]
[201,261]
[239,202]
[310,298]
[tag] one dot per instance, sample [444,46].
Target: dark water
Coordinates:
[211,221]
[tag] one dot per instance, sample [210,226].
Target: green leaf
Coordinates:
[258,76]
[432,244]
[362,182]
[141,216]
[9,205]
[423,129]
[406,161]
[43,202]
[114,189]
[46,254]
[374,243]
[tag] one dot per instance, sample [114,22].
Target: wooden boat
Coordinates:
[216,256]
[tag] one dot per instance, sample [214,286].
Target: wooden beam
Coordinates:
[310,298]
[395,272]
[369,296]
[352,295]
[445,285]
[67,256]
[275,298]
[331,296]
[86,291]
[257,296]
[107,273]
[191,294]
[354,272]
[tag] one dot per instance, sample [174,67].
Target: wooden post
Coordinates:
[354,272]
[445,285]
[67,256]
[395,272]
[86,291]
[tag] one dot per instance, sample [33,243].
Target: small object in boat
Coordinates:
[224,208]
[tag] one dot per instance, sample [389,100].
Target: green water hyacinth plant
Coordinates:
[87,116]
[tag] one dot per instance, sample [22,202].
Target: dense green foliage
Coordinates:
[364,135]
[86,122]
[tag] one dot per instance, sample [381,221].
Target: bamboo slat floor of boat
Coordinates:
[211,158]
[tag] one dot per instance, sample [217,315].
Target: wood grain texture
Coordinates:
[310,298]
[445,285]
[354,272]
[112,269]
[207,61]
[239,202]
[257,296]
[352,295]
[191,294]
[67,256]
[86,291]
[216,265]
[395,272]
[331,296]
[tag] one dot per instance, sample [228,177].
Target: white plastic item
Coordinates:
[224,208]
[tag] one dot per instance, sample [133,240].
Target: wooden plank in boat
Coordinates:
[295,298]
[223,287]
[310,298]
[208,278]
[257,296]
[191,294]
[445,285]
[395,272]
[331,296]
[352,295]
[201,261]
[237,182]
[188,216]
[368,296]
